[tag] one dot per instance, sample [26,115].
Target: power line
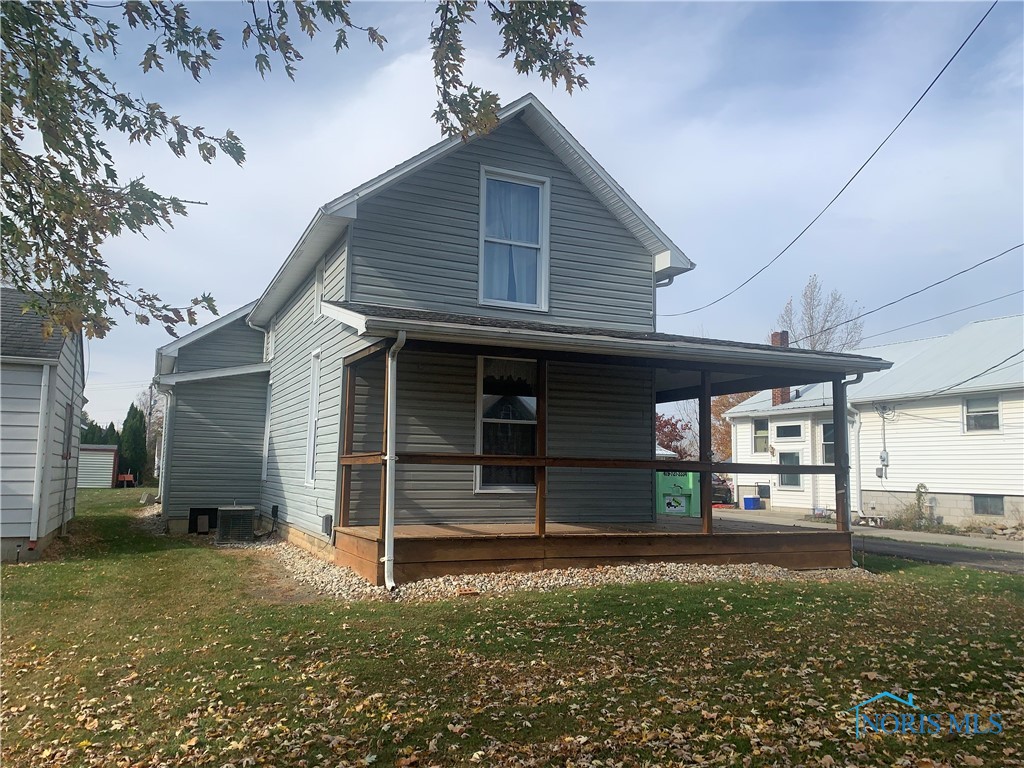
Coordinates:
[947,314]
[909,295]
[977,375]
[849,182]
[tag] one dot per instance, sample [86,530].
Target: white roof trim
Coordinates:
[15,360]
[170,379]
[346,316]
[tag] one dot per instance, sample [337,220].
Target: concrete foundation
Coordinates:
[9,548]
[954,508]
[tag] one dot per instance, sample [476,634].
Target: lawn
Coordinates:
[130,649]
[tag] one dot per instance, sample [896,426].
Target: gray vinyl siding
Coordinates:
[229,347]
[297,334]
[216,451]
[66,382]
[20,388]
[601,412]
[416,244]
[592,411]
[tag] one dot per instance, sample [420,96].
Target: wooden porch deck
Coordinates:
[426,551]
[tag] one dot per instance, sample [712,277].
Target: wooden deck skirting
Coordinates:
[423,551]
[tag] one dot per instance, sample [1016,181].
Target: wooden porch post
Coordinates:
[348,387]
[704,443]
[383,450]
[541,473]
[842,451]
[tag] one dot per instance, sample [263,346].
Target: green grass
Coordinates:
[138,650]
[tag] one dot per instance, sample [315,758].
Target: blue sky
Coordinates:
[730,124]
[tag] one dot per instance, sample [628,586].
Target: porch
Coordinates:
[413,495]
[428,551]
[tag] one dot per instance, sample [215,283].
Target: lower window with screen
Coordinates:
[508,420]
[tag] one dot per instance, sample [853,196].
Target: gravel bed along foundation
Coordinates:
[334,581]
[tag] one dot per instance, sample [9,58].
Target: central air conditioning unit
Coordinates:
[236,524]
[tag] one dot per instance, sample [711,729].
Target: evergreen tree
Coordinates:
[133,442]
[110,435]
[92,433]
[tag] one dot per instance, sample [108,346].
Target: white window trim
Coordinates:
[543,258]
[963,416]
[822,443]
[775,427]
[800,478]
[477,474]
[266,432]
[312,418]
[753,437]
[318,291]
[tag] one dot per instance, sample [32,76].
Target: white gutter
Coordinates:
[170,379]
[41,440]
[389,462]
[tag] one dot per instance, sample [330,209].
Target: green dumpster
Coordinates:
[678,494]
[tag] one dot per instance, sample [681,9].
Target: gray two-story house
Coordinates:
[457,369]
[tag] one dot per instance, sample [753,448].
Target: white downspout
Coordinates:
[860,478]
[389,462]
[42,439]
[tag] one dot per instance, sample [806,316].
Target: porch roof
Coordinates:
[733,366]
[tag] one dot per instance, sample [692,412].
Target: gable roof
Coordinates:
[331,219]
[165,355]
[922,368]
[23,332]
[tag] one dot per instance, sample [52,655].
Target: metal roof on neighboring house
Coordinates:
[923,368]
[21,334]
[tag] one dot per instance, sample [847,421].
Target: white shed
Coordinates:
[97,466]
[41,385]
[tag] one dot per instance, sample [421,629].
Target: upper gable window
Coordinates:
[513,239]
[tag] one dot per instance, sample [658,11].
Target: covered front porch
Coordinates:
[415,535]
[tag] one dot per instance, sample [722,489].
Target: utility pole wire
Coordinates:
[975,376]
[947,314]
[847,184]
[909,295]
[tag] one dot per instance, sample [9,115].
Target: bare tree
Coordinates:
[151,402]
[821,322]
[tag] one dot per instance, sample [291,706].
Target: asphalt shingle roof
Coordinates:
[21,335]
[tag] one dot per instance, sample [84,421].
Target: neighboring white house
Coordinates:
[41,383]
[948,414]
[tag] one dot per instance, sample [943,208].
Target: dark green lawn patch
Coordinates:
[140,650]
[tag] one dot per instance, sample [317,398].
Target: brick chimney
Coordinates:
[780,396]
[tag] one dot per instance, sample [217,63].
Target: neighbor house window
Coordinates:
[981,414]
[513,239]
[313,416]
[789,481]
[828,443]
[508,421]
[988,505]
[760,435]
[789,430]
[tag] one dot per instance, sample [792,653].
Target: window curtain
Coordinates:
[513,213]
